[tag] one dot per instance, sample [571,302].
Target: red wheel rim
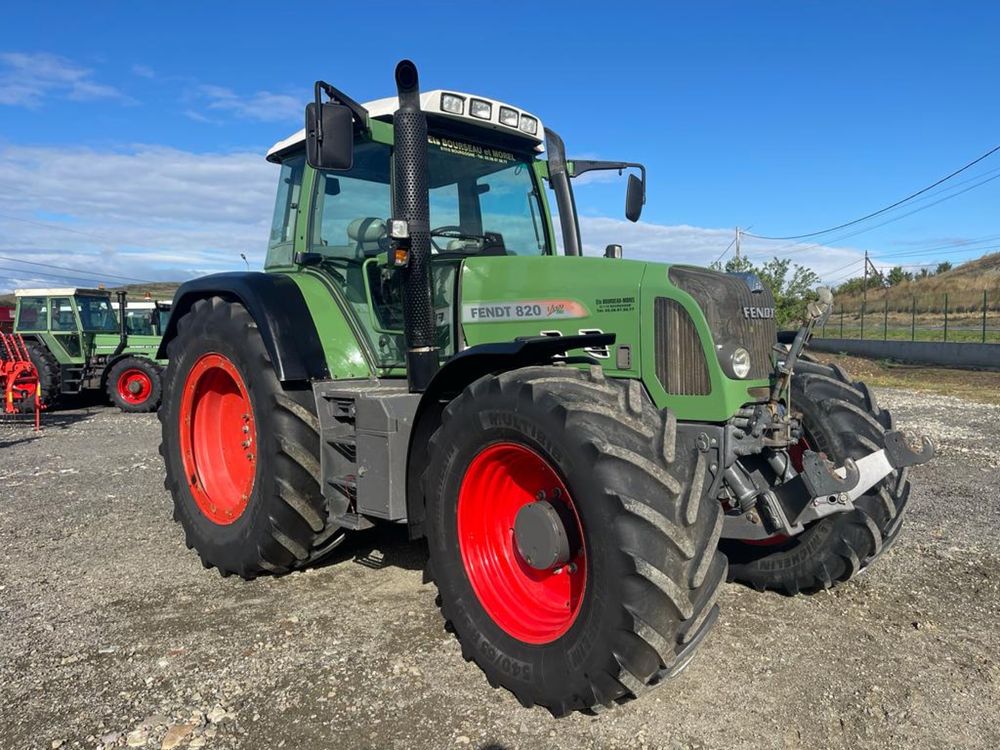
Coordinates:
[134,386]
[218,438]
[534,606]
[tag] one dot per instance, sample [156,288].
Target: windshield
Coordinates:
[482,201]
[96,314]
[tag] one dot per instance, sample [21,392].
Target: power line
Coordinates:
[849,265]
[15,273]
[910,197]
[56,225]
[69,268]
[803,247]
[723,253]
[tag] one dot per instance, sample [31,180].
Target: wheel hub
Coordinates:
[540,535]
[134,386]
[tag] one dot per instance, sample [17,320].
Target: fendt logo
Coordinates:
[753,313]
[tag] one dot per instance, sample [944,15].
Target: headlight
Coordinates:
[508,116]
[739,361]
[479,108]
[529,125]
[452,104]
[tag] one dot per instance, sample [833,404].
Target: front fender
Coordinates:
[461,370]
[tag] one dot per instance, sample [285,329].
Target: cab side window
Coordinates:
[63,317]
[33,314]
[286,205]
[350,208]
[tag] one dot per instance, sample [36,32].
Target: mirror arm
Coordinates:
[338,97]
[580,166]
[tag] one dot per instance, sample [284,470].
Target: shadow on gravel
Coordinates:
[11,442]
[385,546]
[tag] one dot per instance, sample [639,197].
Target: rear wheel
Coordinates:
[843,420]
[49,377]
[241,451]
[575,559]
[135,384]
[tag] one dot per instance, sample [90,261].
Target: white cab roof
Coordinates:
[57,292]
[430,102]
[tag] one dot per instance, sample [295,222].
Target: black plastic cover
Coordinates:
[278,308]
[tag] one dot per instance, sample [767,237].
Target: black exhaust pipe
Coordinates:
[122,324]
[410,203]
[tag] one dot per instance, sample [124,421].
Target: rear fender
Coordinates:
[279,309]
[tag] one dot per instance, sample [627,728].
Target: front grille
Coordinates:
[724,300]
[680,360]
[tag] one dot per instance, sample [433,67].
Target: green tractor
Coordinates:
[77,342]
[573,436]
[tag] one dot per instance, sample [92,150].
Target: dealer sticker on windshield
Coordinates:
[531,309]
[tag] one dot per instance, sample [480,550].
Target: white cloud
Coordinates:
[700,246]
[146,212]
[143,71]
[27,79]
[265,106]
[158,213]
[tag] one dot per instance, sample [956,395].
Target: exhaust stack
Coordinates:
[122,324]
[410,204]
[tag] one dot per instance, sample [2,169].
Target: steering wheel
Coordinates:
[452,231]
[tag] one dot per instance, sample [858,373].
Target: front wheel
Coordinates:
[574,555]
[241,451]
[843,420]
[135,384]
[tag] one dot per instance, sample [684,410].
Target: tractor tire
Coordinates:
[637,594]
[843,420]
[241,451]
[135,384]
[49,377]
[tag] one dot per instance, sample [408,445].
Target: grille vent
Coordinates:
[680,360]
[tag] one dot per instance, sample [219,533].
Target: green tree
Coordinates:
[791,284]
[897,276]
[942,267]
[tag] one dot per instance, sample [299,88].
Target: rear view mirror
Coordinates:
[635,196]
[330,136]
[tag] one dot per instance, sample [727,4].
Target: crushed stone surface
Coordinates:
[113,635]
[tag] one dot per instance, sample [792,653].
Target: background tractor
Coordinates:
[572,435]
[78,341]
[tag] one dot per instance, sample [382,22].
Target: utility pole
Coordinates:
[738,243]
[864,297]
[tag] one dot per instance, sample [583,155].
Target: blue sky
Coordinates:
[132,135]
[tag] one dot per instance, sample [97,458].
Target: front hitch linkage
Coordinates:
[820,490]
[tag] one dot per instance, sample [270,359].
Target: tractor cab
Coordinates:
[487,202]
[147,317]
[69,319]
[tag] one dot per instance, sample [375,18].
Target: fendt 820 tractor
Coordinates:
[572,435]
[78,341]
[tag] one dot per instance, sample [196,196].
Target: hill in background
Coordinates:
[964,285]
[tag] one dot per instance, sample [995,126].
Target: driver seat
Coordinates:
[366,236]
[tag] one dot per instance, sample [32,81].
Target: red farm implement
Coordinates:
[18,378]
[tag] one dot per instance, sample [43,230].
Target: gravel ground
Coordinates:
[112,634]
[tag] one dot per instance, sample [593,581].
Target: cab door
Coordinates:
[64,324]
